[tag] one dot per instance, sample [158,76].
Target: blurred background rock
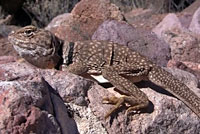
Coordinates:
[40,13]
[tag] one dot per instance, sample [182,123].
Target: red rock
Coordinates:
[85,18]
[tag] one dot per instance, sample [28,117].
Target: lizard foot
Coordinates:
[117,102]
[113,100]
[21,60]
[110,100]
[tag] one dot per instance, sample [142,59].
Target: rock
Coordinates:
[58,20]
[70,87]
[6,29]
[194,25]
[187,66]
[165,112]
[192,8]
[7,59]
[61,27]
[142,41]
[86,121]
[32,96]
[139,17]
[169,22]
[185,19]
[184,45]
[124,6]
[29,104]
[85,18]
[186,77]
[6,47]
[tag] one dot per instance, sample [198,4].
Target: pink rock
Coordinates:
[6,48]
[169,22]
[185,19]
[191,67]
[7,59]
[28,104]
[184,45]
[194,25]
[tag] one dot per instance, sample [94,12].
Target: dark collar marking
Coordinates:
[70,54]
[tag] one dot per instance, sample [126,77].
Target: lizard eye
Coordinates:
[28,32]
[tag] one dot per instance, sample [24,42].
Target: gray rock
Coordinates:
[142,41]
[70,87]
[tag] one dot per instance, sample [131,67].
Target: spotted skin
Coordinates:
[115,62]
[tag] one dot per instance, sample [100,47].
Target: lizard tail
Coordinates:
[166,80]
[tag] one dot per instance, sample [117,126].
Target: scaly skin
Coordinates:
[115,62]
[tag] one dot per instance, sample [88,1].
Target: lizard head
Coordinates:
[38,46]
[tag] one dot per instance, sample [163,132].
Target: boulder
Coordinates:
[184,45]
[30,101]
[6,47]
[28,104]
[85,18]
[194,25]
[191,67]
[143,41]
[169,22]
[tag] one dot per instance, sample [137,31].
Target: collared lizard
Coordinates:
[115,62]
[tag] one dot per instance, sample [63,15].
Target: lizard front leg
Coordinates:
[132,95]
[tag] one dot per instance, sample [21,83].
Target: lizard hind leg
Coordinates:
[132,95]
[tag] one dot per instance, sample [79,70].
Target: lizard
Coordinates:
[117,63]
